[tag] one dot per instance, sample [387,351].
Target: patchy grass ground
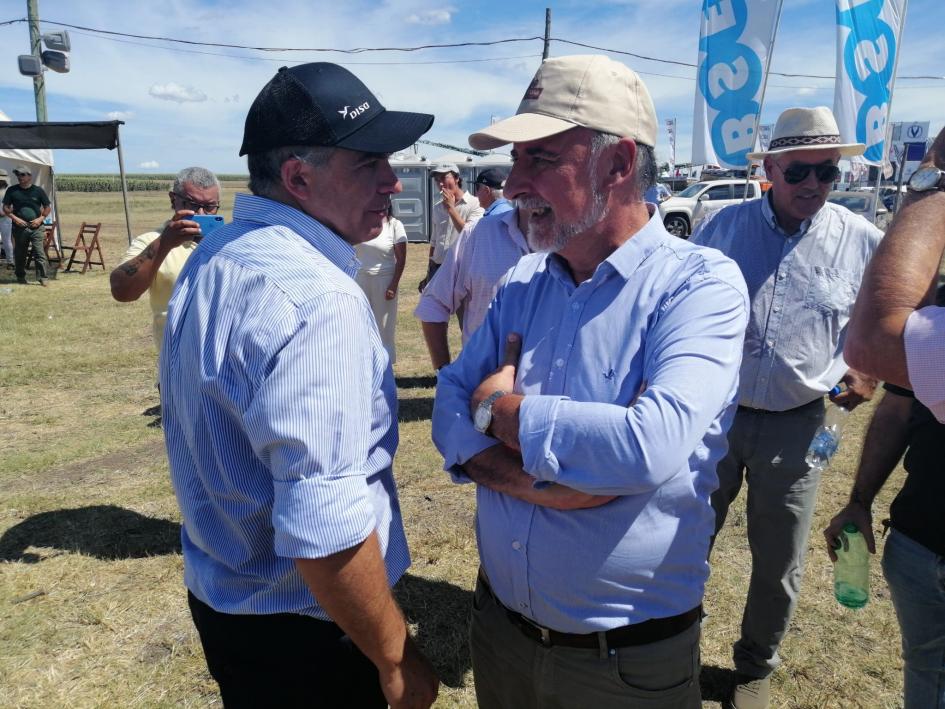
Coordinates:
[92,607]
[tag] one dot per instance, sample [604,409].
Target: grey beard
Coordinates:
[561,234]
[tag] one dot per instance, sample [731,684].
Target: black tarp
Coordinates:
[73,136]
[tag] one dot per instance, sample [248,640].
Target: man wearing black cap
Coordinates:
[489,184]
[280,413]
[27,205]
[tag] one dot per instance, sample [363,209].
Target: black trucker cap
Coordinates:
[492,177]
[325,104]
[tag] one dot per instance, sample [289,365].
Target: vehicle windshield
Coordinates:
[693,190]
[853,202]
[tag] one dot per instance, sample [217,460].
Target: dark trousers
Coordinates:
[284,660]
[22,238]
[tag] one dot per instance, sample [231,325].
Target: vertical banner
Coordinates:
[735,45]
[868,33]
[764,136]
[671,132]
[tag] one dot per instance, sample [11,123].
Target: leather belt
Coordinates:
[809,405]
[648,631]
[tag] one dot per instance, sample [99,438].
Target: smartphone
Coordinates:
[207,222]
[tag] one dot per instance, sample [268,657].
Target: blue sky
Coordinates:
[183,108]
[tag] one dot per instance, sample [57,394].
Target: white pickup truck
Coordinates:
[683,211]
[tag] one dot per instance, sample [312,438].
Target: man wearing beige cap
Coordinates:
[593,439]
[803,259]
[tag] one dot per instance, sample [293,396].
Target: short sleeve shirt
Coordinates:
[377,255]
[27,203]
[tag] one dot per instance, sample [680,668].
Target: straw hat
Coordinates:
[807,129]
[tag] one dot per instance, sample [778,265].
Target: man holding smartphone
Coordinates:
[154,260]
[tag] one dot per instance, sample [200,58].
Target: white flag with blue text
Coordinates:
[868,35]
[734,43]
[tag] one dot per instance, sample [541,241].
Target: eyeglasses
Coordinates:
[187,203]
[797,172]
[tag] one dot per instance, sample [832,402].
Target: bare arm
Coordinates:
[435,333]
[352,587]
[400,261]
[131,279]
[500,468]
[898,281]
[886,441]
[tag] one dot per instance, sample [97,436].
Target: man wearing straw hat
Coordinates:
[803,259]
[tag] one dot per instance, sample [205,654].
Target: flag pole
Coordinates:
[764,88]
[892,88]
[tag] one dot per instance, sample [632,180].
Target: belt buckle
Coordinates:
[542,631]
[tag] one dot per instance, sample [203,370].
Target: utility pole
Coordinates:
[39,82]
[544,52]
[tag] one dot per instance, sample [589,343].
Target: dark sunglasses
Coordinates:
[797,172]
[188,203]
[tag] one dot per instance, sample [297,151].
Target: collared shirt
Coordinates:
[500,206]
[470,275]
[444,231]
[924,339]
[159,293]
[803,286]
[629,380]
[280,411]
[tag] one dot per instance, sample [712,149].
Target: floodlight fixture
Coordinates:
[56,61]
[30,65]
[57,41]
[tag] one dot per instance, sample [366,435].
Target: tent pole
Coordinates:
[57,232]
[124,186]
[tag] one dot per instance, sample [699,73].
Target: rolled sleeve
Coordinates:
[536,426]
[310,424]
[924,340]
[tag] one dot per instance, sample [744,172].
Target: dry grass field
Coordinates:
[92,606]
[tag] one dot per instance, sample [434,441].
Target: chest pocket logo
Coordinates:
[831,291]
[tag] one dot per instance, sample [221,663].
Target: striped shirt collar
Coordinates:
[267,212]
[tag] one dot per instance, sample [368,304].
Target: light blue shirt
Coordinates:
[629,380]
[500,206]
[802,288]
[279,409]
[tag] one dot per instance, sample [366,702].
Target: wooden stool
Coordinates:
[49,242]
[91,230]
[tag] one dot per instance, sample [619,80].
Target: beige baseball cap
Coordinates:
[584,90]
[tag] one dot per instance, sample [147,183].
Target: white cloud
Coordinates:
[177,93]
[120,115]
[431,17]
[149,165]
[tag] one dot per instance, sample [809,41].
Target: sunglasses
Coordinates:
[188,203]
[797,172]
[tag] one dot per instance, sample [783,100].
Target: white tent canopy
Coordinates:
[39,161]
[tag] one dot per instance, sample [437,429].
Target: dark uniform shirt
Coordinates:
[27,203]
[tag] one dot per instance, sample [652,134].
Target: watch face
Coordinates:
[483,418]
[925,178]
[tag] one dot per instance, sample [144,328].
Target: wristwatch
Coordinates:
[483,418]
[926,179]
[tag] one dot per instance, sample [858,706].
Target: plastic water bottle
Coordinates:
[851,572]
[827,438]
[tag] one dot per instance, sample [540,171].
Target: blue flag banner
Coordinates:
[868,33]
[734,45]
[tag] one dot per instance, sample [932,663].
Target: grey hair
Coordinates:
[645,166]
[196,176]
[496,193]
[265,169]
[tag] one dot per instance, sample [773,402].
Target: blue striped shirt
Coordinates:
[280,411]
[629,380]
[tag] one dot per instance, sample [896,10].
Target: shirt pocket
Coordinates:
[831,291]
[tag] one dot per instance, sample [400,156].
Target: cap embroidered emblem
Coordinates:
[533,92]
[354,112]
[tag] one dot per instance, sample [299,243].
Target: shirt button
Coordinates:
[575,306]
[780,276]
[516,545]
[770,343]
[559,362]
[777,308]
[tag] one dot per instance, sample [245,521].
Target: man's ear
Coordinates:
[172,196]
[621,163]
[298,179]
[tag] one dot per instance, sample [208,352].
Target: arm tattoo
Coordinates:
[131,267]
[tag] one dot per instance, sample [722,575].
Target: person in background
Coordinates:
[451,214]
[657,193]
[27,205]
[489,184]
[803,259]
[895,332]
[382,264]
[154,260]
[6,224]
